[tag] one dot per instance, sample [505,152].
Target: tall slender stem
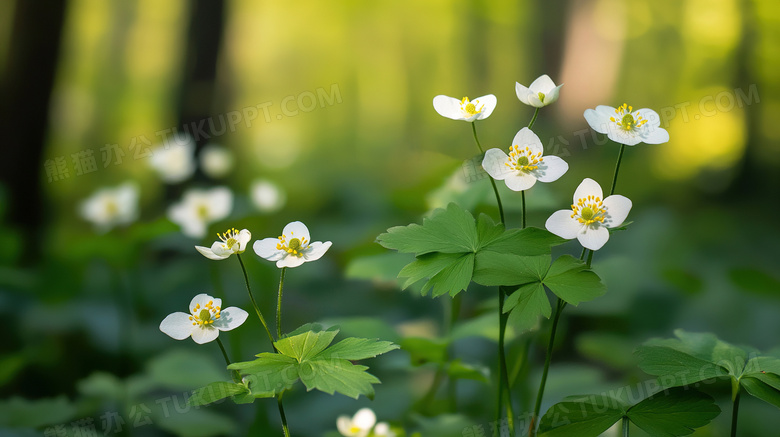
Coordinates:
[224,354]
[503,383]
[533,119]
[279,306]
[254,303]
[492,181]
[452,386]
[281,414]
[617,169]
[548,358]
[522,204]
[626,423]
[734,415]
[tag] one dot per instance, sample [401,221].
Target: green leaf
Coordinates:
[450,230]
[425,350]
[675,368]
[572,280]
[460,370]
[526,304]
[494,268]
[452,279]
[306,356]
[215,392]
[583,416]
[524,242]
[335,375]
[674,413]
[763,388]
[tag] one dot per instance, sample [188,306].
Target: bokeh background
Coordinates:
[345,135]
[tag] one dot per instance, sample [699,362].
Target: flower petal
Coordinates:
[230,318]
[203,335]
[447,107]
[490,104]
[208,253]
[290,261]
[588,187]
[522,93]
[618,208]
[296,230]
[177,325]
[563,225]
[653,120]
[551,169]
[520,181]
[527,138]
[593,238]
[542,84]
[364,418]
[655,135]
[266,249]
[220,249]
[597,121]
[201,299]
[243,239]
[553,95]
[622,137]
[316,250]
[343,424]
[494,164]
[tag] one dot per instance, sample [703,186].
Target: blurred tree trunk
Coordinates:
[24,108]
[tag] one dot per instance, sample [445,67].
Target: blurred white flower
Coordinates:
[382,429]
[216,161]
[541,93]
[625,126]
[590,217]
[199,208]
[175,162]
[358,425]
[525,164]
[292,248]
[464,109]
[204,321]
[230,242]
[109,207]
[267,196]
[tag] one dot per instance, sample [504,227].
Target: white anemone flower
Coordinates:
[292,248]
[590,217]
[204,321]
[109,207]
[358,425]
[267,196]
[465,109]
[174,163]
[542,92]
[199,208]
[382,429]
[525,164]
[216,161]
[230,242]
[625,126]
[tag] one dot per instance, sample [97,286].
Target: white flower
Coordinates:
[174,163]
[204,321]
[109,207]
[216,161]
[230,242]
[359,425]
[292,248]
[590,216]
[541,93]
[382,429]
[525,163]
[477,109]
[626,126]
[267,196]
[199,208]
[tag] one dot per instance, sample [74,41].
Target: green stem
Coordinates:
[281,412]
[492,181]
[224,354]
[254,303]
[548,358]
[452,386]
[522,203]
[617,168]
[503,373]
[533,120]
[279,306]
[590,258]
[734,414]
[626,423]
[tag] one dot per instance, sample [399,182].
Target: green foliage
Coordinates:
[217,391]
[22,413]
[425,350]
[693,357]
[672,413]
[450,243]
[305,355]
